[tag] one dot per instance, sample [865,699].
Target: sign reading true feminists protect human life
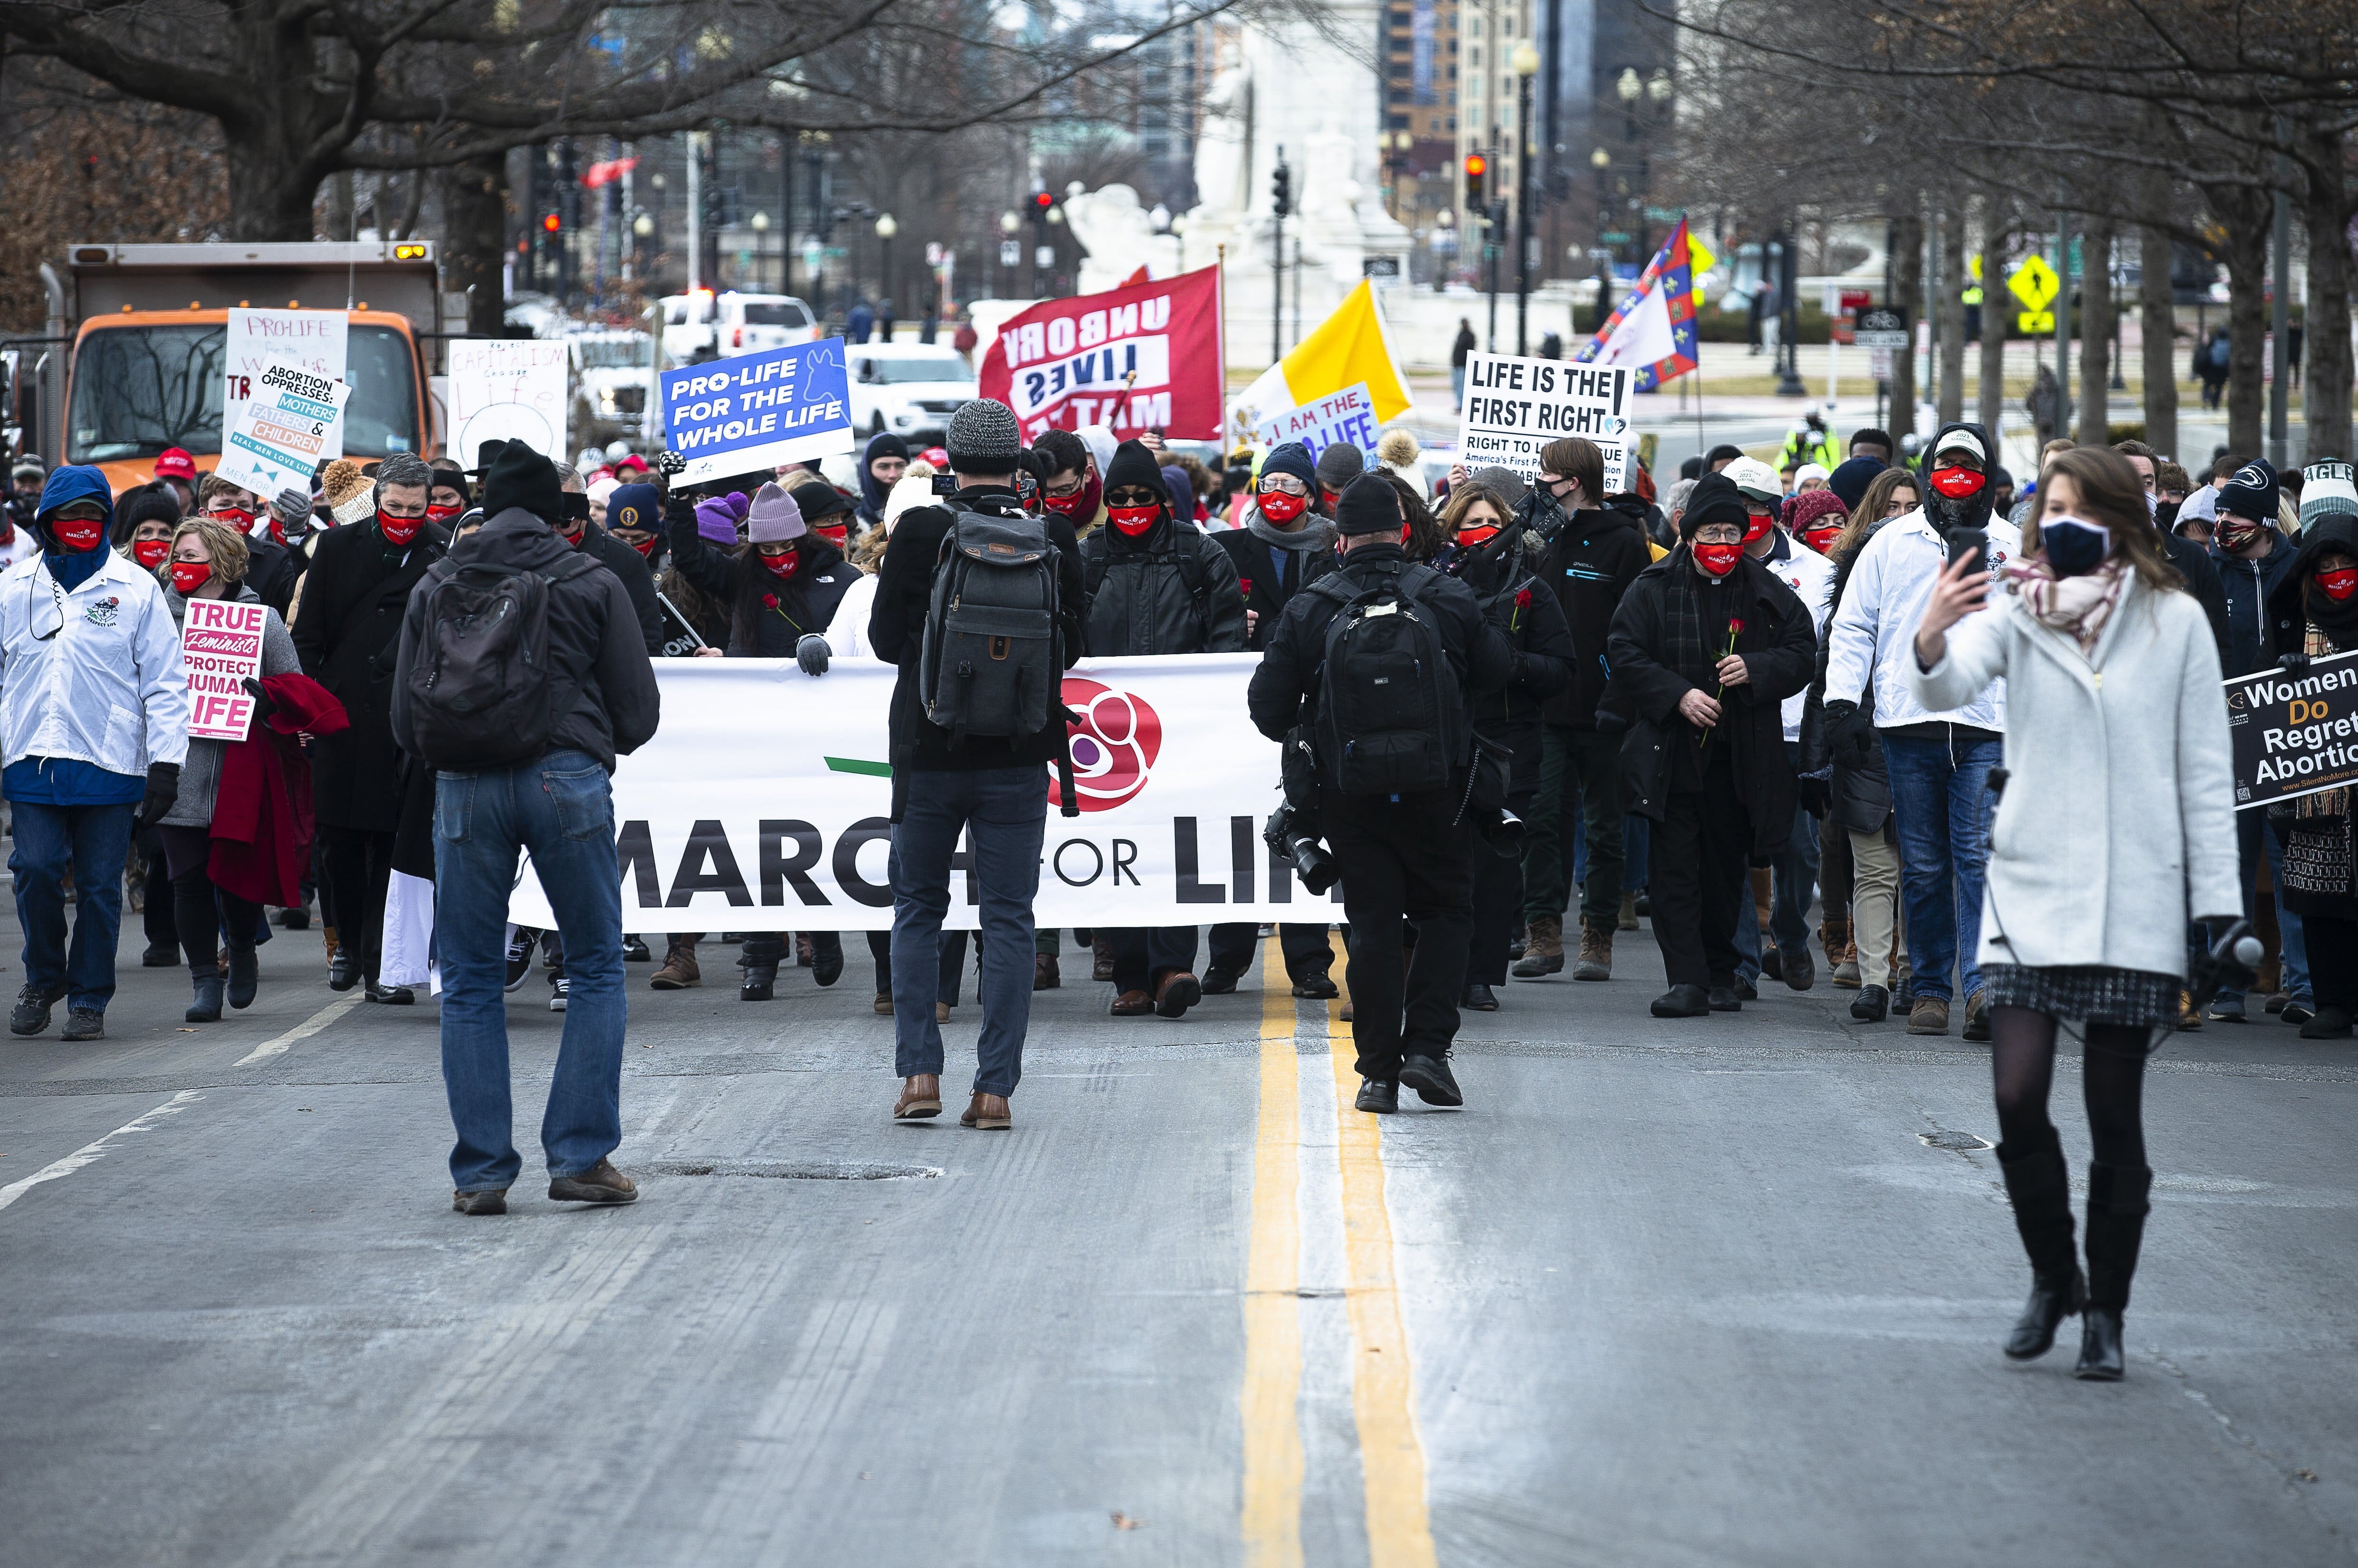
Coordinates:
[220,646]
[1514,408]
[739,415]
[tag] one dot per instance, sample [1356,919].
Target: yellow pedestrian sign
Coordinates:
[2034,321]
[2035,283]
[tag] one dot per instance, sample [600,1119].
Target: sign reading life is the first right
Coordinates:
[1514,408]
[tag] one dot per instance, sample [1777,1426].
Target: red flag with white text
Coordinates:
[1142,357]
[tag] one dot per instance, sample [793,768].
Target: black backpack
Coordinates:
[481,691]
[1391,710]
[992,664]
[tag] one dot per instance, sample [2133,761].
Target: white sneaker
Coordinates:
[557,990]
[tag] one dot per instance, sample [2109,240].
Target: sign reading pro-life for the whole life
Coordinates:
[1514,408]
[220,644]
[736,415]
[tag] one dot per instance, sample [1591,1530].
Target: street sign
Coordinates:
[2034,283]
[1614,237]
[1010,253]
[1699,255]
[1380,266]
[1883,328]
[1878,363]
[2034,321]
[1043,256]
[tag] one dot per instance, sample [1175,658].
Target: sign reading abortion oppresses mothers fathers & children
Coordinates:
[220,644]
[293,423]
[739,416]
[726,826]
[2294,734]
[1514,408]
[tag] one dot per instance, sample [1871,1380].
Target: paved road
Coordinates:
[1726,1291]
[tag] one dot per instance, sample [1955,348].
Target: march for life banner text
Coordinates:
[728,825]
[220,644]
[279,436]
[1348,415]
[1514,408]
[1142,357]
[731,416]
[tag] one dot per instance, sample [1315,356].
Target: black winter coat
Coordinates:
[1528,615]
[1778,645]
[1258,578]
[348,633]
[2193,564]
[271,571]
[1589,565]
[1173,591]
[637,580]
[2247,586]
[768,616]
[1860,785]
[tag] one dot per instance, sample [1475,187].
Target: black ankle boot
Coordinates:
[206,980]
[244,975]
[2117,1205]
[826,957]
[2037,1184]
[761,983]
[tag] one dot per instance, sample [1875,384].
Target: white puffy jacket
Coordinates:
[108,687]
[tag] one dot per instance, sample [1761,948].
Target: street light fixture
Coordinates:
[1628,88]
[1009,222]
[885,229]
[1526,63]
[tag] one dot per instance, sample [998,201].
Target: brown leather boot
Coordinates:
[1133,1004]
[1045,975]
[1596,953]
[680,970]
[921,1098]
[1543,950]
[1100,955]
[987,1113]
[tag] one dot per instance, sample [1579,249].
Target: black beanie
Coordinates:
[1133,464]
[815,498]
[522,477]
[1714,499]
[1368,505]
[1293,457]
[154,503]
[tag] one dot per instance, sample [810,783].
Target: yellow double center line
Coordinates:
[1383,1382]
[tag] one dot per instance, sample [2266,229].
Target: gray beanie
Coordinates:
[773,517]
[984,438]
[1338,465]
[1506,482]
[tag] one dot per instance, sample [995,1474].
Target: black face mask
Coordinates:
[2073,548]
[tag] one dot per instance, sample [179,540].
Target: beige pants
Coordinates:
[1877,922]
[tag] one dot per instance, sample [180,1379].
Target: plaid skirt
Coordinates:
[2094,992]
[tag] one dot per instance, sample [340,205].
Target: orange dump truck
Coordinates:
[143,329]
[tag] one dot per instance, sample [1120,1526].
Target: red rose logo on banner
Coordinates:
[1146,356]
[1114,745]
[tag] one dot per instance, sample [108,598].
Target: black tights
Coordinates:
[2111,1072]
[200,921]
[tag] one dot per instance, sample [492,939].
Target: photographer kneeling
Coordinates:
[1351,663]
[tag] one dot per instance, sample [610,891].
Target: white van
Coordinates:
[909,389]
[725,325]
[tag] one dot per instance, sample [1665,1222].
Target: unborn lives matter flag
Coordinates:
[1146,356]
[786,827]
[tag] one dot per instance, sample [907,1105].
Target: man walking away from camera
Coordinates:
[529,769]
[1394,727]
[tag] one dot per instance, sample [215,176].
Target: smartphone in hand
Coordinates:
[1968,544]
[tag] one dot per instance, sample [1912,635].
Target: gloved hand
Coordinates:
[1817,796]
[262,707]
[671,463]
[811,654]
[163,789]
[2293,664]
[1848,730]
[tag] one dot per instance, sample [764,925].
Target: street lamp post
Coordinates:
[1010,224]
[760,224]
[1445,243]
[885,229]
[1600,160]
[1789,378]
[1526,63]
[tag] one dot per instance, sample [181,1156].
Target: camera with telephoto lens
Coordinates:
[1291,830]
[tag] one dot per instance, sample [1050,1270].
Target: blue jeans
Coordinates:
[1006,811]
[94,840]
[1941,801]
[2253,839]
[562,809]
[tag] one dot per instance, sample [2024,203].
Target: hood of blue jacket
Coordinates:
[77,482]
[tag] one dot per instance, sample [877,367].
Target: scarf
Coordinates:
[2337,622]
[2324,803]
[1316,533]
[1690,649]
[2077,605]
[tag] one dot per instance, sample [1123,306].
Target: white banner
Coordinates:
[763,803]
[1514,408]
[315,340]
[509,389]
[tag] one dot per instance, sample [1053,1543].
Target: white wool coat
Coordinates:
[2118,823]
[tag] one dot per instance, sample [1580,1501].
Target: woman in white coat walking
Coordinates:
[2117,824]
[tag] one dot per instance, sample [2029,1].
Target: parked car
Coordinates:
[909,389]
[724,325]
[613,374]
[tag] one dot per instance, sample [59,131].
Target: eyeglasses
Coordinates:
[1282,484]
[1719,533]
[1063,490]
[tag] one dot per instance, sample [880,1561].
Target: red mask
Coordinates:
[2236,533]
[230,518]
[1958,483]
[646,547]
[1281,507]
[1756,526]
[77,534]
[839,534]
[784,566]
[1478,534]
[1081,506]
[2340,583]
[1718,559]
[399,530]
[1822,539]
[442,514]
[150,553]
[191,576]
[1133,521]
[579,532]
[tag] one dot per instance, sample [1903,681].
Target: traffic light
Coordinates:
[1476,166]
[551,224]
[1041,202]
[1281,191]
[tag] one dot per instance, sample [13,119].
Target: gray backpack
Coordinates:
[992,666]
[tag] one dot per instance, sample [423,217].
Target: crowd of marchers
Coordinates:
[1523,719]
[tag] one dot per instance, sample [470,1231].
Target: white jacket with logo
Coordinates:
[1811,578]
[1873,632]
[108,688]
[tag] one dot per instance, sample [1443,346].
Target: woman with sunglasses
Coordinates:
[2115,824]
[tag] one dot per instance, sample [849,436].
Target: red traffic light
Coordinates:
[551,223]
[1042,200]
[1476,166]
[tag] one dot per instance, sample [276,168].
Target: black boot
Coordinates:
[761,983]
[826,957]
[2040,1185]
[244,975]
[2116,1209]
[205,978]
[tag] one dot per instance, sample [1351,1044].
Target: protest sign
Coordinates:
[739,416]
[726,826]
[220,644]
[292,424]
[2294,734]
[315,340]
[509,389]
[1514,408]
[1349,415]
[1142,357]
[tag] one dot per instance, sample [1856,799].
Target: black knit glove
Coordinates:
[163,789]
[1848,731]
[2294,663]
